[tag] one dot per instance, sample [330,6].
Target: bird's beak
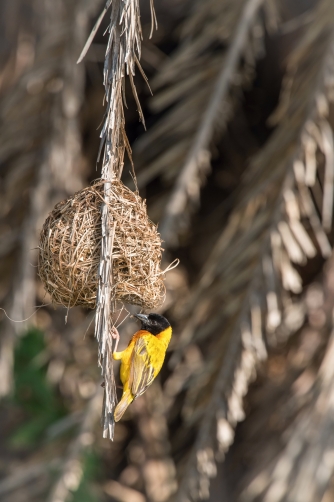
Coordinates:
[141,317]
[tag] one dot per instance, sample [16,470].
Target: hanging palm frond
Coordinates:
[122,57]
[247,297]
[199,84]
[299,383]
[41,149]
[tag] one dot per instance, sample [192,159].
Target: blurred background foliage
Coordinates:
[33,395]
[237,167]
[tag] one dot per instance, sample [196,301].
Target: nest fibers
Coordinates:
[70,248]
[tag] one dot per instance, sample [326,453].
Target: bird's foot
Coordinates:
[115,335]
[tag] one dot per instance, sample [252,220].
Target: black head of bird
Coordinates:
[153,323]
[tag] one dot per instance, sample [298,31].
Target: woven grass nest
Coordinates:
[70,247]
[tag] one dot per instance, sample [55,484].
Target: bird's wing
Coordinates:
[142,371]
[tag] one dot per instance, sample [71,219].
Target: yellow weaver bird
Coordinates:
[143,358]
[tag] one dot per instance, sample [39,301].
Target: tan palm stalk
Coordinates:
[122,57]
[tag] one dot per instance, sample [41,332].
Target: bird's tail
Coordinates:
[127,399]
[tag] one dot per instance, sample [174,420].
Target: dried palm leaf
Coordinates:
[199,84]
[233,316]
[297,466]
[40,149]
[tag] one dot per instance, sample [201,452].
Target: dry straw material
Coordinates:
[70,249]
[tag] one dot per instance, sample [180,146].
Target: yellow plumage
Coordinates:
[141,362]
